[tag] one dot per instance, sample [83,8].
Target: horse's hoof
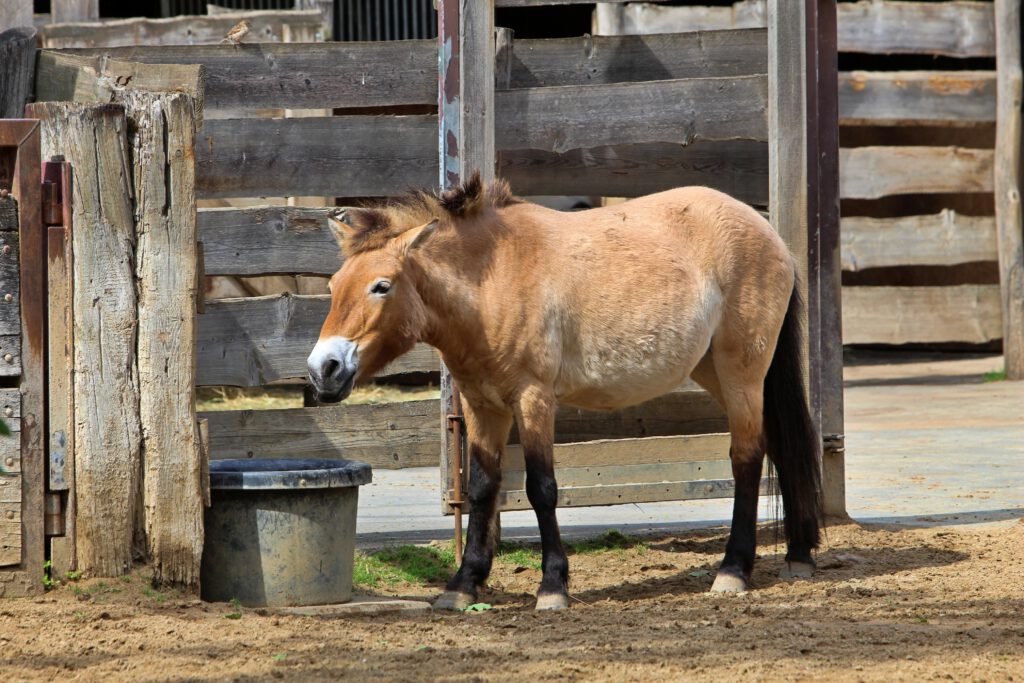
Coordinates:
[454,600]
[797,570]
[549,601]
[728,583]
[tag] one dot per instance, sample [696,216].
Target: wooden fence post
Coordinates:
[69,11]
[1007,183]
[18,56]
[163,166]
[107,429]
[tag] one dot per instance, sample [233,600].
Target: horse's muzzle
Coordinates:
[333,366]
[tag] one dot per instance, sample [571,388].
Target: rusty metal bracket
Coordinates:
[53,191]
[834,443]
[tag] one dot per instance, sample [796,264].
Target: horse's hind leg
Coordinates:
[486,433]
[535,414]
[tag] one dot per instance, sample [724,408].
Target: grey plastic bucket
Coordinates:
[281,533]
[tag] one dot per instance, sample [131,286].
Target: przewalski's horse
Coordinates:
[599,309]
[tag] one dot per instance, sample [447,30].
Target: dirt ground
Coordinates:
[887,604]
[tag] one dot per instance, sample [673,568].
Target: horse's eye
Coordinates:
[380,287]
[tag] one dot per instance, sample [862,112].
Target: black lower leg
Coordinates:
[542,491]
[484,481]
[739,551]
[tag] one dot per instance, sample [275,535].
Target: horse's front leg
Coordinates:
[486,432]
[535,414]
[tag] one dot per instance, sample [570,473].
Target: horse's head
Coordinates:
[376,313]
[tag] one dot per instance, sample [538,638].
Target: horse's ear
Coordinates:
[419,236]
[339,221]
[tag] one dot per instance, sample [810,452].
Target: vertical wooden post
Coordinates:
[165,268]
[107,432]
[465,144]
[18,56]
[15,14]
[66,11]
[1007,182]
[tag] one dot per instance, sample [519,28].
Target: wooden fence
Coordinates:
[889,176]
[555,131]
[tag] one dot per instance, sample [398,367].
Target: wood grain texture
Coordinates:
[1007,183]
[557,119]
[942,239]
[955,29]
[351,156]
[10,481]
[621,494]
[917,97]
[107,430]
[874,172]
[258,340]
[15,14]
[267,26]
[17,78]
[10,289]
[162,138]
[903,315]
[67,11]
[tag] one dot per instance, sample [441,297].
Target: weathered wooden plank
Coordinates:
[349,156]
[107,430]
[1007,181]
[267,240]
[67,11]
[589,496]
[18,55]
[306,75]
[388,435]
[267,26]
[903,315]
[611,475]
[258,340]
[737,167]
[557,119]
[942,239]
[596,60]
[917,97]
[632,450]
[873,172]
[10,290]
[92,78]
[15,14]
[955,29]
[10,355]
[162,136]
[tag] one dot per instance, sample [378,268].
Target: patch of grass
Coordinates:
[154,594]
[995,376]
[518,555]
[613,539]
[237,614]
[404,564]
[48,581]
[73,576]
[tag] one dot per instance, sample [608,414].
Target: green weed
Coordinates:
[404,564]
[518,555]
[237,614]
[995,376]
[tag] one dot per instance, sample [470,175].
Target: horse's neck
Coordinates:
[448,298]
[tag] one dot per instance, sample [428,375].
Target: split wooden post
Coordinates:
[1006,182]
[106,425]
[465,144]
[162,141]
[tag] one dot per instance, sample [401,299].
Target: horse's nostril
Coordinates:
[331,368]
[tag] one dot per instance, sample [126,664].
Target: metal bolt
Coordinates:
[7,249]
[10,514]
[3,194]
[8,411]
[9,462]
[8,297]
[302,482]
[8,357]
[56,158]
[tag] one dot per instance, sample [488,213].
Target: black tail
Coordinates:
[791,440]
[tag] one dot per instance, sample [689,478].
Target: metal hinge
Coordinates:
[834,443]
[53,519]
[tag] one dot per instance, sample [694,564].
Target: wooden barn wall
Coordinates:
[917,93]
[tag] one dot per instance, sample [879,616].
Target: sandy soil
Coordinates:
[887,604]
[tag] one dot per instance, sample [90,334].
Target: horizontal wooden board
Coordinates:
[955,29]
[611,475]
[389,435]
[655,450]
[268,240]
[942,239]
[351,156]
[272,25]
[737,167]
[557,119]
[917,97]
[254,341]
[10,355]
[874,172]
[10,284]
[903,315]
[304,75]
[10,479]
[589,496]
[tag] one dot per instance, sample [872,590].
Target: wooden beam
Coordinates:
[350,156]
[557,119]
[267,26]
[917,97]
[162,137]
[655,492]
[68,11]
[645,18]
[254,341]
[1007,183]
[904,315]
[874,172]
[107,430]
[11,474]
[942,239]
[18,55]
[15,14]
